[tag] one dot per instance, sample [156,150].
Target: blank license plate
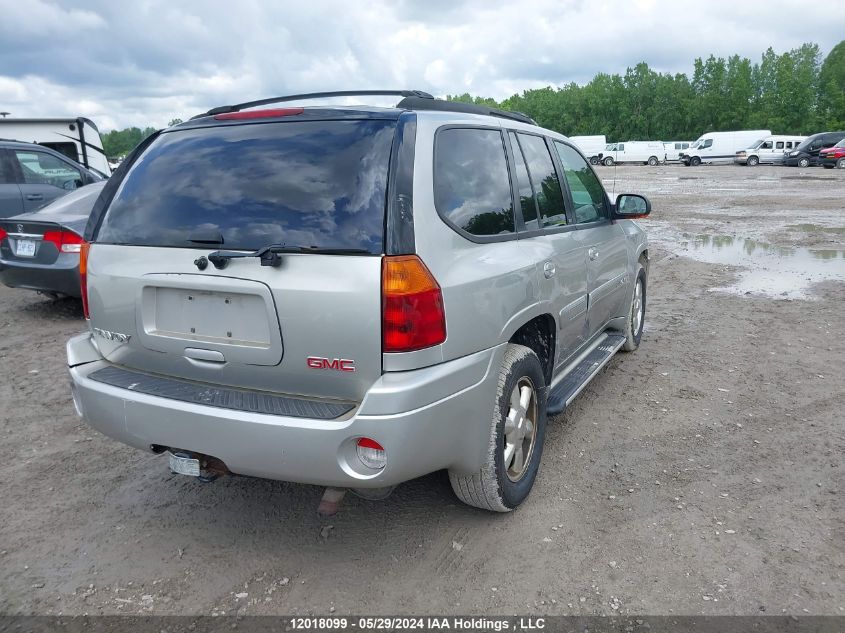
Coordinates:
[184,465]
[25,248]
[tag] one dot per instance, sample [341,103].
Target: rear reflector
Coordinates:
[258,114]
[412,305]
[83,276]
[371,453]
[65,241]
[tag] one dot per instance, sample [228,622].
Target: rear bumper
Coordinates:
[61,277]
[426,419]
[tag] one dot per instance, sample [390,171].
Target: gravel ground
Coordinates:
[701,474]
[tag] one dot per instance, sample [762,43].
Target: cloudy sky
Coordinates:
[143,62]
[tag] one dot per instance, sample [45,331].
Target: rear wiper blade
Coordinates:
[271,255]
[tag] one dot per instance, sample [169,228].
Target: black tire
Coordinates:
[695,161]
[634,328]
[840,164]
[497,487]
[804,162]
[753,161]
[652,161]
[608,162]
[594,160]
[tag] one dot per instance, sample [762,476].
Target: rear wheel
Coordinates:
[753,161]
[804,162]
[517,431]
[653,161]
[636,315]
[608,162]
[840,164]
[695,161]
[594,160]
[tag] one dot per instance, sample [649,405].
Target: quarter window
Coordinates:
[526,192]
[587,192]
[471,183]
[541,171]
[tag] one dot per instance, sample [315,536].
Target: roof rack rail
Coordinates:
[414,103]
[316,95]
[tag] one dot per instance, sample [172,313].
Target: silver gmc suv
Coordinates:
[354,296]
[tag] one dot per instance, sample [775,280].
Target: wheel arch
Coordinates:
[540,335]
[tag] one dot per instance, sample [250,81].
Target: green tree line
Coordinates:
[795,92]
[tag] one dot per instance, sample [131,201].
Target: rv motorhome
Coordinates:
[78,139]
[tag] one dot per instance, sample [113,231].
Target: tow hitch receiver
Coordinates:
[203,467]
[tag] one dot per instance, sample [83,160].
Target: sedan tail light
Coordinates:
[65,241]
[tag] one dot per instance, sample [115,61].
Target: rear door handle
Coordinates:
[548,269]
[593,253]
[35,196]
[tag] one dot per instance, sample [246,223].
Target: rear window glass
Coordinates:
[306,183]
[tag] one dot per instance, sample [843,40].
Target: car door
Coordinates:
[11,201]
[43,177]
[547,228]
[603,240]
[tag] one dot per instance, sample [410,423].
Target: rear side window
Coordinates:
[471,183]
[39,168]
[299,183]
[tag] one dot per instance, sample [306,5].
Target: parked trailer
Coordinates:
[591,146]
[78,139]
[768,150]
[720,147]
[673,149]
[645,152]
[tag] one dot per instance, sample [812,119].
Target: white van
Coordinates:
[78,139]
[591,146]
[673,149]
[768,150]
[720,147]
[645,152]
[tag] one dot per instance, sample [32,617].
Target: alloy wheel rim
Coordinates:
[637,309]
[520,429]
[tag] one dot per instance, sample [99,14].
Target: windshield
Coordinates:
[807,142]
[756,144]
[697,144]
[301,183]
[610,147]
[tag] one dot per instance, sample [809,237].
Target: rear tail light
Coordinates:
[65,241]
[371,453]
[3,234]
[83,276]
[412,305]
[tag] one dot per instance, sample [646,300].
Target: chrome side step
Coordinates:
[581,371]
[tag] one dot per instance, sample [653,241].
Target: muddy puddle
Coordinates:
[778,272]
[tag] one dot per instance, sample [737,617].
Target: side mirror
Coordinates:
[630,206]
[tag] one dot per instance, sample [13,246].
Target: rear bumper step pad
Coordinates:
[220,397]
[565,391]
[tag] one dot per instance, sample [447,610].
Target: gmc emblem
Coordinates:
[338,364]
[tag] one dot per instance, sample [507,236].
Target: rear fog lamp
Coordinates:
[371,453]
